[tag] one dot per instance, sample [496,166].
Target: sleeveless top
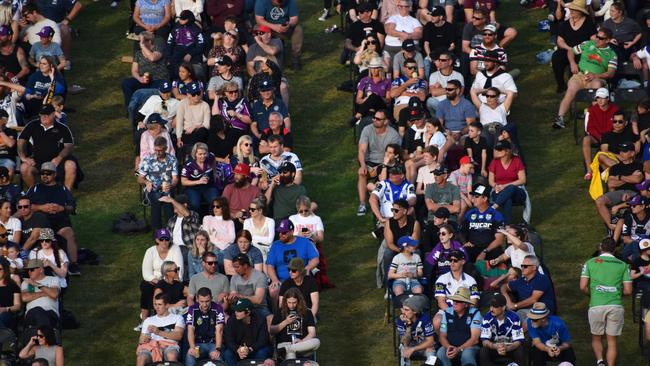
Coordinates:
[11,61]
[48,353]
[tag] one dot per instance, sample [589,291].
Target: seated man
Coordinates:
[284,191]
[528,289]
[442,194]
[415,332]
[409,51]
[460,330]
[619,132]
[262,109]
[240,193]
[50,142]
[265,46]
[389,191]
[450,282]
[456,112]
[599,121]
[205,322]
[210,278]
[597,63]
[501,335]
[550,335]
[276,126]
[249,283]
[438,80]
[160,333]
[31,223]
[276,157]
[621,182]
[489,44]
[408,84]
[480,226]
[55,201]
[282,18]
[294,326]
[246,335]
[40,293]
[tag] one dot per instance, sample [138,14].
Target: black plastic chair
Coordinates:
[250,362]
[8,346]
[299,362]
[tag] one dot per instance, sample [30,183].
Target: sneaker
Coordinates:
[76,89]
[551,18]
[114,4]
[558,123]
[68,65]
[601,363]
[73,269]
[138,328]
[361,210]
[325,15]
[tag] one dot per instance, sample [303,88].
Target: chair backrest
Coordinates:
[585,95]
[299,362]
[7,336]
[629,95]
[250,362]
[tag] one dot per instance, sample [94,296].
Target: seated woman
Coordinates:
[12,224]
[55,261]
[43,83]
[10,302]
[152,16]
[219,226]
[197,176]
[229,47]
[195,254]
[217,140]
[373,90]
[371,49]
[507,175]
[437,261]
[627,32]
[149,69]
[517,249]
[155,126]
[294,326]
[43,345]
[235,111]
[242,246]
[262,228]
[172,287]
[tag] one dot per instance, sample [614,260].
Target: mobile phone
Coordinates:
[304,230]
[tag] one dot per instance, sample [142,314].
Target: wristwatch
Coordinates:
[218,349]
[485,251]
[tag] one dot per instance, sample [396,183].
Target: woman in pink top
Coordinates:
[155,127]
[507,175]
[219,226]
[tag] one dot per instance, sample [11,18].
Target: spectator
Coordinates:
[154,126]
[192,118]
[299,279]
[626,32]
[488,44]
[40,294]
[425,176]
[460,330]
[148,69]
[164,104]
[400,225]
[632,228]
[370,50]
[406,268]
[268,70]
[55,261]
[16,61]
[578,28]
[152,16]
[442,194]
[9,191]
[10,223]
[387,192]
[158,174]
[197,176]
[246,335]
[43,345]
[235,111]
[501,335]
[455,112]
[46,47]
[436,136]
[530,288]
[518,248]
[598,121]
[243,153]
[276,122]
[295,326]
[639,266]
[10,96]
[200,246]
[364,23]
[282,18]
[224,75]
[492,110]
[160,334]
[185,42]
[262,228]
[249,283]
[439,259]
[372,144]
[51,142]
[243,246]
[219,226]
[449,283]
[205,322]
[186,76]
[415,332]
[55,200]
[31,221]
[507,178]
[210,278]
[438,34]
[34,20]
[605,279]
[438,80]
[480,226]
[462,178]
[183,226]
[227,45]
[154,257]
[408,51]
[413,141]
[269,107]
[401,26]
[40,362]
[283,250]
[265,47]
[550,335]
[241,193]
[306,223]
[172,287]
[494,76]
[276,158]
[284,191]
[597,63]
[10,301]
[407,85]
[218,142]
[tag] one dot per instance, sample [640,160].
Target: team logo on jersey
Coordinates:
[276,108]
[276,13]
[196,171]
[488,216]
[473,217]
[199,321]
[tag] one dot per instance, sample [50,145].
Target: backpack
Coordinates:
[127,223]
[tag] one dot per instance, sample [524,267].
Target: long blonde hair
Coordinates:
[6,15]
[209,247]
[240,154]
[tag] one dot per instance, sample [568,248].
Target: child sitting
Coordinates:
[185,42]
[406,268]
[59,115]
[462,178]
[476,148]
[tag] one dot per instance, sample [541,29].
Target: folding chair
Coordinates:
[582,96]
[628,95]
[165,363]
[210,362]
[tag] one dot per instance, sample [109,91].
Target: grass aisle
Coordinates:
[105,298]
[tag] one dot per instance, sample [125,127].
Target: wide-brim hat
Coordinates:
[538,311]
[575,5]
[462,295]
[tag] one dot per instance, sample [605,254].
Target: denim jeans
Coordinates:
[631,251]
[206,349]
[195,193]
[231,358]
[158,209]
[131,85]
[467,357]
[506,198]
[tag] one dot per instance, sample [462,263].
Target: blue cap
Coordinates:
[407,241]
[165,87]
[285,226]
[266,85]
[156,118]
[194,88]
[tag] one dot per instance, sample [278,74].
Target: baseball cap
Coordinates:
[46,234]
[440,171]
[602,93]
[6,30]
[163,233]
[264,28]
[456,254]
[498,301]
[48,166]
[34,263]
[46,109]
[503,145]
[285,226]
[242,305]
[625,146]
[224,60]
[365,6]
[397,169]
[46,31]
[194,88]
[442,213]
[438,11]
[296,264]
[266,85]
[242,169]
[408,45]
[187,15]
[405,241]
[636,200]
[156,118]
[643,186]
[479,189]
[165,87]
[490,28]
[465,160]
[644,244]
[287,166]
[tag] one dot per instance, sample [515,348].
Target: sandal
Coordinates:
[588,176]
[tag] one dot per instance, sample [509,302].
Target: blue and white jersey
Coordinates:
[388,193]
[271,166]
[420,329]
[480,227]
[506,331]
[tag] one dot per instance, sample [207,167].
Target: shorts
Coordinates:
[616,197]
[582,82]
[406,284]
[58,222]
[10,164]
[165,352]
[606,319]
[371,171]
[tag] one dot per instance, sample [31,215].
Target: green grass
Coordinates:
[105,298]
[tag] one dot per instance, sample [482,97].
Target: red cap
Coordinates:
[465,160]
[242,169]
[264,28]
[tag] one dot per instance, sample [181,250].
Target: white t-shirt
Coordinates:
[177,235]
[311,222]
[503,82]
[164,323]
[39,254]
[438,77]
[517,255]
[263,235]
[154,105]
[488,115]
[425,176]
[12,226]
[438,140]
[9,105]
[402,24]
[44,302]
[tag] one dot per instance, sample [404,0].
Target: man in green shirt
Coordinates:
[597,63]
[606,279]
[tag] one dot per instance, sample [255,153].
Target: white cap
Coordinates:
[644,244]
[602,93]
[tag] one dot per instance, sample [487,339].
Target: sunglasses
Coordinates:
[488,34]
[232,91]
[620,121]
[195,94]
[164,238]
[403,6]
[395,210]
[40,336]
[454,260]
[526,266]
[443,59]
[47,173]
[211,263]
[216,206]
[442,233]
[252,209]
[411,67]
[372,42]
[230,34]
[259,33]
[32,269]
[21,207]
[378,119]
[42,240]
[491,95]
[449,90]
[477,18]
[173,270]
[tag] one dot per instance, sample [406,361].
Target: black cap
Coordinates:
[287,166]
[440,171]
[242,258]
[438,11]
[480,189]
[416,113]
[491,56]
[4,172]
[503,145]
[225,60]
[46,109]
[498,300]
[408,45]
[442,213]
[397,169]
[625,146]
[156,118]
[457,254]
[187,15]
[182,199]
[365,6]
[402,203]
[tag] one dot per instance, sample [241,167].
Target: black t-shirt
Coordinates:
[636,264]
[575,37]
[9,152]
[219,147]
[409,143]
[46,143]
[298,328]
[476,150]
[359,30]
[439,38]
[307,287]
[643,121]
[613,139]
[38,220]
[7,294]
[174,291]
[625,170]
[397,231]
